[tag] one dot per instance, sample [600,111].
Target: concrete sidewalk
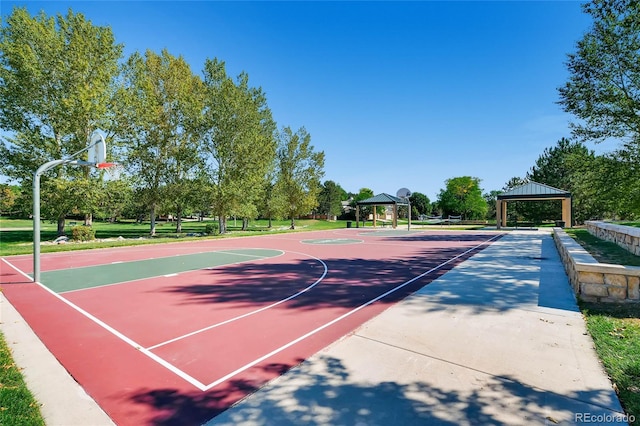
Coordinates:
[496,341]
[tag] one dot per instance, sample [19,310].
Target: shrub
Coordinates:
[211,229]
[83,233]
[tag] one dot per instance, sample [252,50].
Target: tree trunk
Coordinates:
[61,225]
[178,221]
[152,231]
[270,224]
[222,222]
[245,223]
[293,223]
[88,219]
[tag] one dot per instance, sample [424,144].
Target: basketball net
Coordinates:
[112,170]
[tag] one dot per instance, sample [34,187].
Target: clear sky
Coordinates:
[396,94]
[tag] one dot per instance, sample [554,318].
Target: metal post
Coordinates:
[36,214]
[409,214]
[36,206]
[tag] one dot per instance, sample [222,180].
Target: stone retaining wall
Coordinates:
[593,281]
[627,237]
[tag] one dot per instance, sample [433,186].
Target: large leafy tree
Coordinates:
[420,204]
[463,196]
[603,90]
[238,137]
[7,198]
[603,189]
[158,116]
[300,169]
[56,77]
[330,199]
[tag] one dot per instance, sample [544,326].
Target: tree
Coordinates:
[491,198]
[603,90]
[562,167]
[603,190]
[56,77]
[238,136]
[300,169]
[420,204]
[330,199]
[159,120]
[463,196]
[7,198]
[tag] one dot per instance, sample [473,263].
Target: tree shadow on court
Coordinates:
[348,283]
[519,275]
[325,391]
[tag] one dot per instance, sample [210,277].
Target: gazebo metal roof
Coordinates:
[534,190]
[382,199]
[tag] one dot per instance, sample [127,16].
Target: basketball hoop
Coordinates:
[105,165]
[113,171]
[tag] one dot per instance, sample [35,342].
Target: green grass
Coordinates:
[16,236]
[17,405]
[615,330]
[634,224]
[603,251]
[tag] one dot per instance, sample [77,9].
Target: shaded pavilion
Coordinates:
[381,200]
[533,191]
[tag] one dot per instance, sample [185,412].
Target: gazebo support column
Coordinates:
[395,216]
[374,215]
[501,214]
[566,212]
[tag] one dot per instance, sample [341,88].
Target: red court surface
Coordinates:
[180,348]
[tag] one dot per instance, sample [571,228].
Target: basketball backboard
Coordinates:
[97,149]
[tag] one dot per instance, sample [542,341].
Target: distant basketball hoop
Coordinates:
[404,194]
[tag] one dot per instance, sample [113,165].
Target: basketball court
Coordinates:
[197,326]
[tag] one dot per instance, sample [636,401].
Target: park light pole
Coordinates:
[97,155]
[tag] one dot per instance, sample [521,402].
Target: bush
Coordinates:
[211,229]
[83,233]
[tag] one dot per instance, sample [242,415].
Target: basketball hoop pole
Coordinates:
[36,200]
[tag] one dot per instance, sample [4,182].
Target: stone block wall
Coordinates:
[627,237]
[593,281]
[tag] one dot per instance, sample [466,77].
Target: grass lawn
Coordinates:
[603,251]
[16,235]
[615,328]
[17,405]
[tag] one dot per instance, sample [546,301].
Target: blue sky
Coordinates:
[396,94]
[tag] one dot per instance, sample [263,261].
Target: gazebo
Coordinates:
[533,191]
[381,200]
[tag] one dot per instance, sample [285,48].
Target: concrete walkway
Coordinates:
[496,341]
